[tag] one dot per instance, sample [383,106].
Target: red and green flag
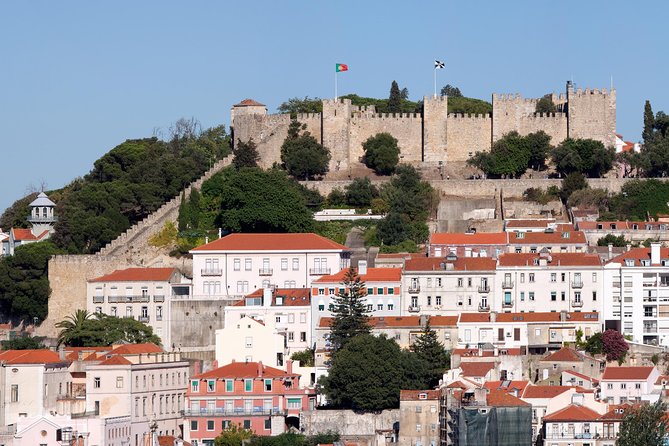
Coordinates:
[341,67]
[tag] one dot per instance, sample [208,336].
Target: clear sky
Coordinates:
[79,77]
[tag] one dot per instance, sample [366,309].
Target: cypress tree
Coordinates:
[432,352]
[184,213]
[648,123]
[395,99]
[194,208]
[349,311]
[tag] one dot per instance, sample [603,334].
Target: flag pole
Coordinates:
[336,84]
[435,82]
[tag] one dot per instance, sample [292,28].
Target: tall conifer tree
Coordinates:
[428,349]
[349,311]
[648,123]
[395,98]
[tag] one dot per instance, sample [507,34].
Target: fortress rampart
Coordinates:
[434,135]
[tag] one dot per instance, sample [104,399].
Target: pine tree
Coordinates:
[395,99]
[349,311]
[428,349]
[184,213]
[245,154]
[648,123]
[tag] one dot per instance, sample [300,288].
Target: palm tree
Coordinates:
[71,326]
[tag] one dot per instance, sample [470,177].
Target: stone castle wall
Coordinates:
[435,135]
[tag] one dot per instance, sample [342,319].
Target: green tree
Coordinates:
[381,153]
[648,123]
[589,198]
[395,98]
[393,229]
[585,156]
[245,154]
[24,343]
[194,208]
[183,219]
[428,349]
[539,146]
[368,373]
[85,330]
[16,216]
[297,105]
[336,198]
[509,157]
[615,240]
[72,326]
[349,312]
[572,182]
[408,194]
[233,436]
[594,344]
[644,425]
[546,105]
[305,357]
[303,156]
[451,91]
[24,284]
[360,193]
[640,198]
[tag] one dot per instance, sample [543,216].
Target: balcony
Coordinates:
[319,271]
[98,299]
[507,304]
[414,288]
[414,308]
[265,271]
[237,411]
[650,329]
[159,298]
[144,319]
[484,307]
[211,272]
[507,284]
[576,303]
[144,298]
[88,413]
[577,284]
[484,288]
[51,219]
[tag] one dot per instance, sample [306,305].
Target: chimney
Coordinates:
[362,267]
[610,250]
[423,320]
[215,364]
[563,316]
[259,369]
[493,316]
[289,366]
[628,247]
[267,297]
[61,353]
[655,253]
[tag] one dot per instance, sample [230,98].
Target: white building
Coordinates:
[238,264]
[548,282]
[629,384]
[288,309]
[448,286]
[642,294]
[41,219]
[140,293]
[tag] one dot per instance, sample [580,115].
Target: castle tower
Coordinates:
[42,217]
[247,107]
[336,123]
[591,114]
[435,112]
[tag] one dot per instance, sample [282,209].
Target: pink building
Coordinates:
[249,394]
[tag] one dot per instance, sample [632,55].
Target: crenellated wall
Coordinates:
[592,114]
[405,127]
[466,135]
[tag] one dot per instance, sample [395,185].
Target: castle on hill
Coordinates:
[433,136]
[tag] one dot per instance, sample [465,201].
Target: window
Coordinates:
[284,264]
[553,277]
[379,307]
[194,386]
[321,307]
[291,318]
[248,385]
[391,307]
[15,393]
[193,425]
[210,425]
[119,382]
[553,296]
[429,301]
[296,264]
[379,291]
[96,382]
[229,385]
[459,282]
[247,424]
[391,290]
[594,277]
[225,424]
[211,385]
[469,281]
[294,403]
[609,386]
[370,291]
[370,307]
[113,311]
[437,300]
[563,277]
[522,277]
[237,264]
[303,317]
[268,385]
[530,295]
[623,385]
[291,336]
[531,277]
[563,295]
[418,428]
[248,264]
[439,281]
[522,295]
[594,295]
[249,342]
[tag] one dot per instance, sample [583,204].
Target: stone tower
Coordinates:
[592,114]
[435,112]
[336,122]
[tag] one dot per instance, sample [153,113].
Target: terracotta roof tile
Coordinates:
[500,398]
[573,412]
[414,395]
[272,242]
[136,349]
[243,370]
[627,373]
[474,317]
[545,391]
[380,322]
[23,234]
[662,379]
[617,411]
[548,238]
[440,264]
[116,360]
[637,254]
[168,440]
[137,275]
[468,239]
[554,259]
[476,369]
[292,297]
[456,385]
[41,356]
[373,275]
[565,354]
[249,103]
[507,386]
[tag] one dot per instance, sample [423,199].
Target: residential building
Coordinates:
[629,384]
[289,308]
[251,340]
[239,264]
[468,244]
[635,232]
[252,395]
[579,424]
[553,241]
[548,282]
[499,363]
[143,294]
[552,367]
[419,417]
[529,225]
[383,295]
[638,305]
[448,285]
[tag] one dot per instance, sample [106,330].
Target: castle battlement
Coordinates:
[594,91]
[305,116]
[514,98]
[457,116]
[388,116]
[545,115]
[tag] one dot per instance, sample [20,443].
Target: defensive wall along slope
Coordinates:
[68,273]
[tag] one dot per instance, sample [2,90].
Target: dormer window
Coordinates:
[565,234]
[613,226]
[645,262]
[520,235]
[279,300]
[629,262]
[600,226]
[422,396]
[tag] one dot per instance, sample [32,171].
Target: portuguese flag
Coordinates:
[341,67]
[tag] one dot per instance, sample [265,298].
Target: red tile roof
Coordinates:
[565,354]
[553,316]
[23,234]
[380,322]
[461,264]
[243,370]
[468,239]
[500,398]
[548,238]
[573,412]
[660,379]
[617,412]
[414,395]
[136,349]
[116,360]
[41,356]
[507,386]
[292,297]
[627,373]
[168,440]
[474,317]
[637,254]
[476,369]
[554,259]
[137,275]
[582,376]
[272,242]
[373,275]
[545,391]
[527,223]
[249,103]
[456,385]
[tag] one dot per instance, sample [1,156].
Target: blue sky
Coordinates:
[79,77]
